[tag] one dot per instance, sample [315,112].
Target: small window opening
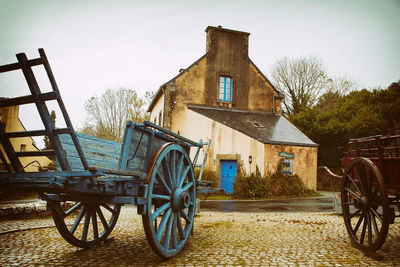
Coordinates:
[160,118]
[257,124]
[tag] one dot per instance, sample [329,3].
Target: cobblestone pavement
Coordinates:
[220,239]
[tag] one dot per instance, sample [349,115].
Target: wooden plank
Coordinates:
[98,152]
[37,132]
[28,99]
[17,66]
[90,142]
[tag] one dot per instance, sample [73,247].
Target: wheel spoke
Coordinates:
[179,166]
[173,168]
[78,220]
[360,220]
[167,236]
[167,174]
[163,183]
[183,176]
[102,219]
[161,197]
[354,183]
[360,180]
[377,214]
[369,229]
[94,225]
[174,228]
[355,213]
[180,228]
[352,193]
[364,228]
[75,207]
[86,225]
[187,186]
[108,208]
[184,216]
[163,223]
[374,223]
[160,210]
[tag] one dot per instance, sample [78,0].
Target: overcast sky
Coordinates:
[95,45]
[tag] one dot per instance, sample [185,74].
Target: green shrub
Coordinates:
[287,185]
[278,184]
[251,186]
[208,175]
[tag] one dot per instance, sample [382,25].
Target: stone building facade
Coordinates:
[224,97]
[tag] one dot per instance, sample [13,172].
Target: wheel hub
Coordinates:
[362,203]
[365,203]
[180,199]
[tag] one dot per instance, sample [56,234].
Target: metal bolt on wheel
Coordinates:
[365,204]
[170,210]
[86,225]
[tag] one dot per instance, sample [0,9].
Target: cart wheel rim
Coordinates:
[365,204]
[85,224]
[171,200]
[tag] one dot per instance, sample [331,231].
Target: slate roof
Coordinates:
[268,128]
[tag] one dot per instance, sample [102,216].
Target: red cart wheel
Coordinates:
[365,204]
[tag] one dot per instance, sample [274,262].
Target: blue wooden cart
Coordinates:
[95,177]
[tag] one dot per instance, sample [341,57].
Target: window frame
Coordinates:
[225,89]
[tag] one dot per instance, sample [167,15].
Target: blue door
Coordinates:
[228,174]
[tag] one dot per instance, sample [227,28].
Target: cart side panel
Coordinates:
[138,149]
[390,169]
[98,152]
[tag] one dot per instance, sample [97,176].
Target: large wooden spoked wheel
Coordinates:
[83,224]
[365,204]
[169,215]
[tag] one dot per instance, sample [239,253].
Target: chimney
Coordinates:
[221,39]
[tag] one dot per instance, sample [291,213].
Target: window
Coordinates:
[257,124]
[225,88]
[160,118]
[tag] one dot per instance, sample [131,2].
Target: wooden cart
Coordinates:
[151,169]
[370,189]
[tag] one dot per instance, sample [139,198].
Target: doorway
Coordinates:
[228,174]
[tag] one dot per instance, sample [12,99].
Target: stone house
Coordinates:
[224,97]
[9,117]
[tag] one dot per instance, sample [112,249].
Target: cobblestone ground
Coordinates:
[220,239]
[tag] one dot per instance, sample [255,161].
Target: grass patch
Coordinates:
[215,196]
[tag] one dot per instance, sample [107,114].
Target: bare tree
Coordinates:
[108,114]
[301,80]
[304,80]
[341,85]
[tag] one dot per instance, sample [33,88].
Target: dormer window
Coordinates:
[225,88]
[256,124]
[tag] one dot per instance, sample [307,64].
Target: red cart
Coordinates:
[370,189]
